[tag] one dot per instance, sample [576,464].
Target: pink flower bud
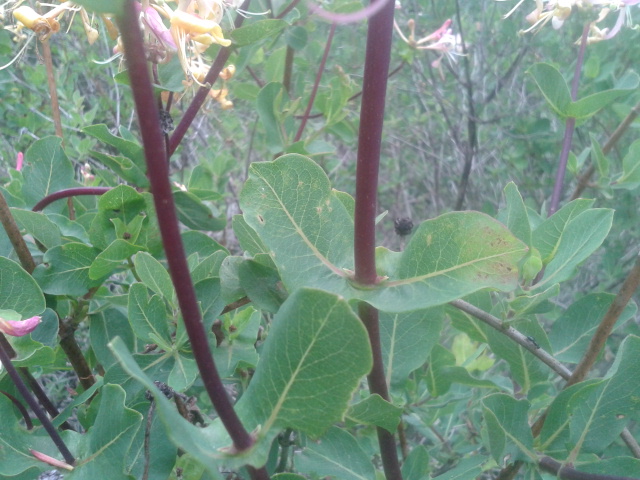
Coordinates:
[19,328]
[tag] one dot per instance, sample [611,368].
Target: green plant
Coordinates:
[208,363]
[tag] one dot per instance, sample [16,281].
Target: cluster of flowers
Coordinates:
[443,41]
[558,11]
[193,26]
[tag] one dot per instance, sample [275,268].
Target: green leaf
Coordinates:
[508,427]
[416,465]
[296,37]
[124,167]
[572,332]
[103,327]
[514,214]
[65,270]
[600,411]
[437,383]
[19,291]
[630,178]
[308,388]
[262,284]
[247,237]
[336,454]
[266,106]
[195,214]
[131,150]
[556,92]
[257,31]
[591,104]
[111,258]
[374,410]
[39,226]
[468,468]
[290,205]
[147,314]
[47,170]
[105,445]
[122,203]
[239,346]
[548,234]
[183,373]
[154,275]
[580,238]
[598,157]
[203,444]
[407,340]
[553,86]
[200,243]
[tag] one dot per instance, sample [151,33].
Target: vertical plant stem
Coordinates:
[471,148]
[158,168]
[74,354]
[288,68]
[13,232]
[603,331]
[569,128]
[374,88]
[35,407]
[316,84]
[53,91]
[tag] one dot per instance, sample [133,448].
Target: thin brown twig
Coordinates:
[53,91]
[13,232]
[583,180]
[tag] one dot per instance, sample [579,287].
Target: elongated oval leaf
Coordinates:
[316,353]
[581,237]
[18,290]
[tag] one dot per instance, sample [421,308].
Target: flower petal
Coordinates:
[19,328]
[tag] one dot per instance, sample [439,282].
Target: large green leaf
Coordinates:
[548,234]
[514,214]
[39,226]
[103,448]
[416,465]
[580,238]
[571,333]
[19,291]
[147,314]
[65,270]
[308,388]
[195,214]
[374,410]
[290,205]
[47,170]
[407,339]
[336,454]
[257,31]
[630,178]
[112,258]
[154,275]
[509,430]
[600,411]
[556,92]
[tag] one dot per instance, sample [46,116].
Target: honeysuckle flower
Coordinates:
[442,40]
[19,328]
[19,161]
[558,11]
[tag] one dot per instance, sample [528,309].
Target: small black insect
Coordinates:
[533,341]
[403,226]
